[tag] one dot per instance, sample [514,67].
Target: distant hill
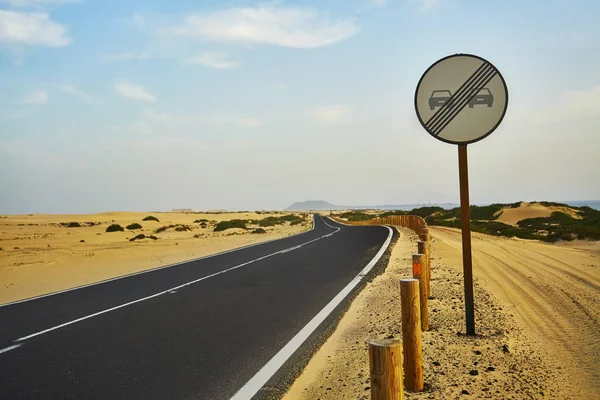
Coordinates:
[320,205]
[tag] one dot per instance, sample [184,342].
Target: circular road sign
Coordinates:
[461,99]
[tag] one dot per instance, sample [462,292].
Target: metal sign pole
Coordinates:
[461,99]
[465,217]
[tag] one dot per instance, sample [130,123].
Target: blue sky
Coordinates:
[148,105]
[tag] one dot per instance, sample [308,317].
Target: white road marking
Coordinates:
[4,350]
[157,268]
[297,247]
[163,292]
[266,372]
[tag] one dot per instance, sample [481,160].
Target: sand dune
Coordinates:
[511,216]
[39,255]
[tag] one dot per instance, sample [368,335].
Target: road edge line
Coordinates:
[276,362]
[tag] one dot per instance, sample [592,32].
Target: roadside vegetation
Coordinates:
[234,223]
[115,228]
[151,218]
[134,226]
[177,227]
[558,226]
[142,236]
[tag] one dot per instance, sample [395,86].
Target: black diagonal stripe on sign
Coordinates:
[441,128]
[463,100]
[446,105]
[442,111]
[460,98]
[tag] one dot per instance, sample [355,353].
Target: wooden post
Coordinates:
[419,273]
[423,248]
[411,334]
[385,360]
[465,217]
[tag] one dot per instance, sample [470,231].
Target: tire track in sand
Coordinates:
[550,290]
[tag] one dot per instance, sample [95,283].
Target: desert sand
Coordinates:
[511,216]
[537,310]
[40,256]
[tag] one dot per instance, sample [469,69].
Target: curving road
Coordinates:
[214,328]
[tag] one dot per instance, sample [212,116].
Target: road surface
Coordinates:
[204,329]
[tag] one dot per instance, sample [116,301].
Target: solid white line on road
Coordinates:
[9,348]
[161,293]
[158,268]
[266,372]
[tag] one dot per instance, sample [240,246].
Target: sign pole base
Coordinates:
[465,216]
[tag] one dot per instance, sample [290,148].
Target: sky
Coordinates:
[153,105]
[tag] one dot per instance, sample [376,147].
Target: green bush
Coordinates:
[163,228]
[356,216]
[134,226]
[142,236]
[182,228]
[297,222]
[291,218]
[425,211]
[234,223]
[200,221]
[259,230]
[391,213]
[270,221]
[73,225]
[151,218]
[115,228]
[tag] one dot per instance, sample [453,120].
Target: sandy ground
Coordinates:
[39,256]
[535,317]
[511,216]
[552,290]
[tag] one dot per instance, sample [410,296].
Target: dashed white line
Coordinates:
[156,269]
[9,348]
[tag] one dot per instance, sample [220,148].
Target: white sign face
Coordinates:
[461,99]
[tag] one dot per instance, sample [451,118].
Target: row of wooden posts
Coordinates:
[386,356]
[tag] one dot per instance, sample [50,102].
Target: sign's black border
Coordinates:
[493,128]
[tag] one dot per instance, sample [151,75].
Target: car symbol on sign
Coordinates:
[439,98]
[481,96]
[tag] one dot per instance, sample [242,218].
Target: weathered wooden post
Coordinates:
[423,248]
[419,265]
[385,360]
[411,334]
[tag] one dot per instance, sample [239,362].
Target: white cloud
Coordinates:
[281,26]
[37,97]
[212,60]
[571,106]
[332,114]
[426,5]
[34,29]
[135,92]
[37,3]
[72,90]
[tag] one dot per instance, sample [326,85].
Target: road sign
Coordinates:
[461,99]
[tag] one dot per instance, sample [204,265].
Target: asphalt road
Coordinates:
[197,330]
